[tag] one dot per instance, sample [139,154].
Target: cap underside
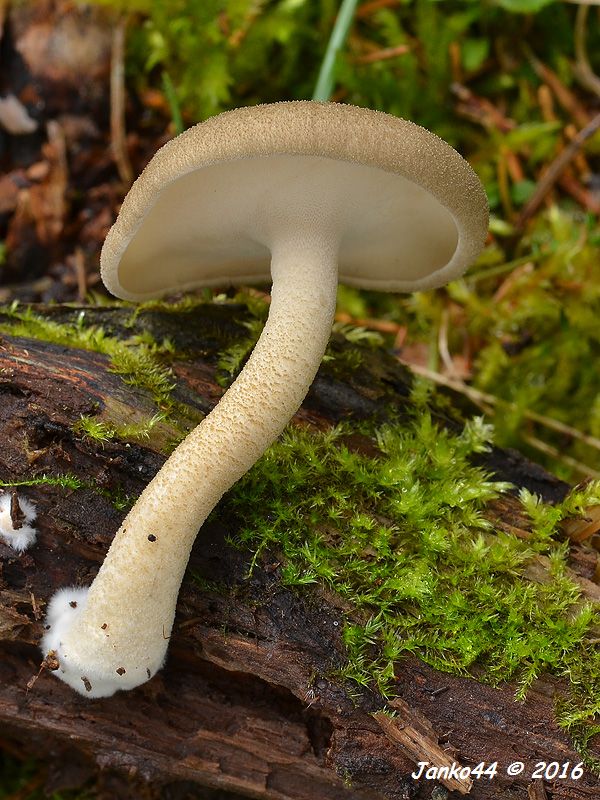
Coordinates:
[217,225]
[406,211]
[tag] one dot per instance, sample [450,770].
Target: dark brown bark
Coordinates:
[246,703]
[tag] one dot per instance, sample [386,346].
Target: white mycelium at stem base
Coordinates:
[22,538]
[116,637]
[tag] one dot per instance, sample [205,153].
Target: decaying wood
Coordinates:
[248,702]
[417,739]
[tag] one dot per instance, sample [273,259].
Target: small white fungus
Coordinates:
[22,538]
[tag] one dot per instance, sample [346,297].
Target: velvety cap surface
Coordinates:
[405,208]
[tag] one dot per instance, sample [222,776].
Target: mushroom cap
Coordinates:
[406,209]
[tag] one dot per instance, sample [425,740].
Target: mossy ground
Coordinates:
[401,535]
[403,539]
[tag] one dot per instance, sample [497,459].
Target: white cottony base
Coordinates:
[89,679]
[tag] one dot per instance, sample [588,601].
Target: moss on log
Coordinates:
[251,701]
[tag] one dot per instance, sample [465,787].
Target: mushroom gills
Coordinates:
[392,232]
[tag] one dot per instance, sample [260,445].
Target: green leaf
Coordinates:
[474,52]
[522,191]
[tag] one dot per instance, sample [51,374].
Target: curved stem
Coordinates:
[118,636]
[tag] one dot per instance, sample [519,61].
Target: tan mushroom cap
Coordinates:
[406,209]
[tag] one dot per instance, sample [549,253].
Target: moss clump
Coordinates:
[136,360]
[139,360]
[403,539]
[118,498]
[340,361]
[100,431]
[232,359]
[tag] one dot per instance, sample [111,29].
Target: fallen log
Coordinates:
[250,702]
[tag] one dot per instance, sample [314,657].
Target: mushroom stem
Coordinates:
[116,636]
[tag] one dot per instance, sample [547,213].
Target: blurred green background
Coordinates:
[509,83]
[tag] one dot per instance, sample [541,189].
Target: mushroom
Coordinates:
[304,193]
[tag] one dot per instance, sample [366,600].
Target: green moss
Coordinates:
[94,429]
[233,358]
[101,431]
[204,585]
[341,361]
[136,360]
[139,360]
[66,480]
[188,302]
[403,539]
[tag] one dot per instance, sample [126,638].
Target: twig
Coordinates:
[117,103]
[381,325]
[477,396]
[513,165]
[512,279]
[582,528]
[481,110]
[366,9]
[49,662]
[555,170]
[546,448]
[37,613]
[236,38]
[80,274]
[504,186]
[583,69]
[565,97]
[567,182]
[536,791]
[383,54]
[546,103]
[580,161]
[584,197]
[47,200]
[413,733]
[500,269]
[456,66]
[443,348]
